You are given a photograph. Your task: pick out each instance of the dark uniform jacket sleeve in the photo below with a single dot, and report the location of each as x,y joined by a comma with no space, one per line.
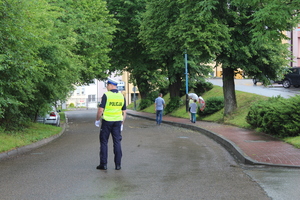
103,101
124,106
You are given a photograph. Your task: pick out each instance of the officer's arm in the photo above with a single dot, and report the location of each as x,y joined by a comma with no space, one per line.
99,113
101,107
124,115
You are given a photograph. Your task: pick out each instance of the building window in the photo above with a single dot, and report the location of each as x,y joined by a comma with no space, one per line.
92,98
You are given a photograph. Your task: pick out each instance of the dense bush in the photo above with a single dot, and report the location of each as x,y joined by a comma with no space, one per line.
199,88
202,87
259,110
174,103
71,105
276,116
213,104
145,103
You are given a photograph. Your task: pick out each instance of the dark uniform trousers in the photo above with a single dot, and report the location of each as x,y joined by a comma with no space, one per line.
113,127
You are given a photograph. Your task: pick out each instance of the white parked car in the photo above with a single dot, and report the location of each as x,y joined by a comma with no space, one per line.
52,118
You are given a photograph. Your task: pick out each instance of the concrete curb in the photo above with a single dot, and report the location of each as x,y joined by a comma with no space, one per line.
27,148
231,147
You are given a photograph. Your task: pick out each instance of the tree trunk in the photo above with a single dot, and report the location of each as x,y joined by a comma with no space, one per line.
174,88
143,89
229,91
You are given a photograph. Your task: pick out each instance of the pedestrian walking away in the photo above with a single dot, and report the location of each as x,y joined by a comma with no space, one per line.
192,97
112,111
193,111
159,108
190,102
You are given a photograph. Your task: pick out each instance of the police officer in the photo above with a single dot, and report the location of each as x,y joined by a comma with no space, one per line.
113,108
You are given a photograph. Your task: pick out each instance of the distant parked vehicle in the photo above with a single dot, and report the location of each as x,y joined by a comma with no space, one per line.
52,117
256,80
292,78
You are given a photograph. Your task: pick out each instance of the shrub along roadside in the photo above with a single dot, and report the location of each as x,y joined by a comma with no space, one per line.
213,104
278,116
173,104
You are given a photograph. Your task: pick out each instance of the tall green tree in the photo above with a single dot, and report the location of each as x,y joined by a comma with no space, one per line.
163,40
127,51
93,29
239,35
45,48
155,27
60,65
24,28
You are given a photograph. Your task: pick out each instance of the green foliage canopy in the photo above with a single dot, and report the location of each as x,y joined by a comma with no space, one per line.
92,29
24,27
45,48
128,53
238,34
161,33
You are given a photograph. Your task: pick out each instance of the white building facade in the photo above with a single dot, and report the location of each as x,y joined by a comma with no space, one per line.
89,96
295,46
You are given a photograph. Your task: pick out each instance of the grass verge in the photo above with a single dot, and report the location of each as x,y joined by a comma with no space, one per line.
238,118
35,132
295,141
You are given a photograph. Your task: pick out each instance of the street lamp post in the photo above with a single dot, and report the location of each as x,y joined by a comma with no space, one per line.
134,97
186,81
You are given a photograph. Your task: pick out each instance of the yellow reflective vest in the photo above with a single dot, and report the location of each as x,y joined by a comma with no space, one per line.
113,106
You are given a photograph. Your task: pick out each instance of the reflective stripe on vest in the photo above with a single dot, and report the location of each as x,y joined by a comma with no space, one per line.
113,106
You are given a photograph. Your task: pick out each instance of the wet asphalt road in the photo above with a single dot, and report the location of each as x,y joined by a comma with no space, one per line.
159,162
279,183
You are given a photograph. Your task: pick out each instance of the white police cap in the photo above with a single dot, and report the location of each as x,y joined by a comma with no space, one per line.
112,81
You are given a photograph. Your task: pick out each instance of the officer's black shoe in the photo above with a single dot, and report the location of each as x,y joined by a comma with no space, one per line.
118,167
102,167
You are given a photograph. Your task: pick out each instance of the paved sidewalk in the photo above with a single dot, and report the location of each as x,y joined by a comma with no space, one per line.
248,146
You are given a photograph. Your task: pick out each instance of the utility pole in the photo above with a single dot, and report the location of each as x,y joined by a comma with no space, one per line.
186,81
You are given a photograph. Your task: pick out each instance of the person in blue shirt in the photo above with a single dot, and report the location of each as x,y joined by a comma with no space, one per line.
159,108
